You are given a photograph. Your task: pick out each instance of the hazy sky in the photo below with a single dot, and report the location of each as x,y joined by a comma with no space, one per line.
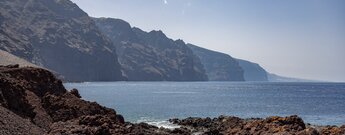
296,38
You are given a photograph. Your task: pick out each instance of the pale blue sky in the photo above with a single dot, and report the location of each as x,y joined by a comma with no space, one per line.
296,38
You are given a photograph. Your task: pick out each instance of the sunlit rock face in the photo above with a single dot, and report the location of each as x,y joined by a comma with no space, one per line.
58,35
151,56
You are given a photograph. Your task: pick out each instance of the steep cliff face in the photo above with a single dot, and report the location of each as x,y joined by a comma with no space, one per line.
219,66
253,71
151,56
56,34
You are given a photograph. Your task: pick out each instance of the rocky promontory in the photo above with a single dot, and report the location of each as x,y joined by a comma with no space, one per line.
34,102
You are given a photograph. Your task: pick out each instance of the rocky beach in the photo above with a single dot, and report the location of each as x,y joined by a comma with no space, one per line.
33,101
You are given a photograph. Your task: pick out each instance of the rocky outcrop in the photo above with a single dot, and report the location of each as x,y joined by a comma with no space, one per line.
333,130
35,98
59,36
218,66
226,125
151,56
253,71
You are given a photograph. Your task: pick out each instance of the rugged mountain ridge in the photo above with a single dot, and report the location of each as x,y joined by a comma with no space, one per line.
151,56
219,66
58,35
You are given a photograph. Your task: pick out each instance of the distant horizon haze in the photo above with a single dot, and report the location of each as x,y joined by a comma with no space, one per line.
298,38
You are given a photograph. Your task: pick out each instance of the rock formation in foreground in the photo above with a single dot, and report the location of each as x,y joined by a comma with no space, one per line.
34,102
58,35
226,125
151,56
218,66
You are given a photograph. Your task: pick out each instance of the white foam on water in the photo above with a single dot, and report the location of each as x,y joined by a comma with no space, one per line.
158,123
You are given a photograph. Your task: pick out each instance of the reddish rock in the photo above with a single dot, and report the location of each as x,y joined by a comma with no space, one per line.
12,124
333,130
40,101
223,125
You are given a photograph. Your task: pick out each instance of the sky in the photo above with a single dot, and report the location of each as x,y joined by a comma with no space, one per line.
294,38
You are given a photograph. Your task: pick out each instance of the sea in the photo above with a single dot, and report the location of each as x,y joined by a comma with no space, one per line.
157,102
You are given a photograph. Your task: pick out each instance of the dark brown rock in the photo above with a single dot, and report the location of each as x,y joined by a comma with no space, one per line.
36,95
12,124
225,125
333,130
120,118
274,125
75,92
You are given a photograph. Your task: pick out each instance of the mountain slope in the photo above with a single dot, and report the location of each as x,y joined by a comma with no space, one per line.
253,71
58,35
219,66
9,59
151,56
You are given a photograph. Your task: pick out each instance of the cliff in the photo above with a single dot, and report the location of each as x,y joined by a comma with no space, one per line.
218,66
151,56
58,35
253,71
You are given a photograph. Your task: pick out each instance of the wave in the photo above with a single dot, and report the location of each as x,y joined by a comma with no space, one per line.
158,123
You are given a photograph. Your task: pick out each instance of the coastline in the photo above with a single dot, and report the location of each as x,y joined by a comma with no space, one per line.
38,100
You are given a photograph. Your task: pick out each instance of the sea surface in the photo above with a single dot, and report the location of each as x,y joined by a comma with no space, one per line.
156,102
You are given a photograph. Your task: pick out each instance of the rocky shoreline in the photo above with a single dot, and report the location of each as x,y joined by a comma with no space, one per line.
34,102
229,125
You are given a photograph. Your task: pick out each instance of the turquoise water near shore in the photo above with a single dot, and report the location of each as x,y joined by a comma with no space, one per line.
156,102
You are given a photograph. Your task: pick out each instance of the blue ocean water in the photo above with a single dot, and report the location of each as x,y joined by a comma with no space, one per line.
316,103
